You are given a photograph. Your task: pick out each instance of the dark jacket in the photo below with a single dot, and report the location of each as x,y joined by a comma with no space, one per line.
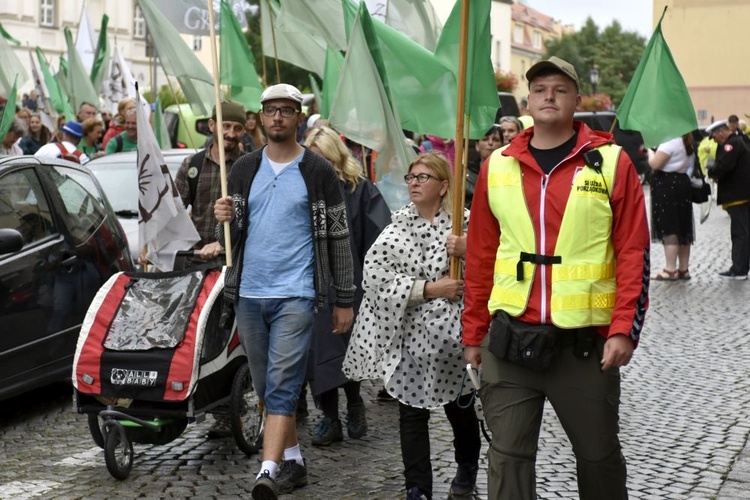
367,215
29,144
333,257
732,171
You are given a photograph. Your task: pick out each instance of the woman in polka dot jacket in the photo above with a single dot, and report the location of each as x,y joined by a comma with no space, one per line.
409,326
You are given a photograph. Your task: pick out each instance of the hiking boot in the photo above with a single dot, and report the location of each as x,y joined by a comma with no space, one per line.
731,275
415,493
221,428
291,475
465,481
265,487
356,421
328,431
385,396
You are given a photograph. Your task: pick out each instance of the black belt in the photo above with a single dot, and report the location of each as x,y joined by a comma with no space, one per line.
535,258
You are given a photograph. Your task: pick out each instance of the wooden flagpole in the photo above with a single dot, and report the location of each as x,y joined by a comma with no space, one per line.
219,126
458,161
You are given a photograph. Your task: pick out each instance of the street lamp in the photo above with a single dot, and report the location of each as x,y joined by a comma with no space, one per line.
594,77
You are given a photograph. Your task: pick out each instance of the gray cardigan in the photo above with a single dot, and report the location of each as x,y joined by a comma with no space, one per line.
329,225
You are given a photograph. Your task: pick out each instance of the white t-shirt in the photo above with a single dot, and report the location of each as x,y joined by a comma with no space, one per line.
50,150
679,161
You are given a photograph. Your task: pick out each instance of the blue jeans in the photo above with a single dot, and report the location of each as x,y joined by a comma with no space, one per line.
276,335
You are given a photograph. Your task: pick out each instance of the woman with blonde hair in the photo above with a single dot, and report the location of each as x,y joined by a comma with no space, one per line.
409,327
367,215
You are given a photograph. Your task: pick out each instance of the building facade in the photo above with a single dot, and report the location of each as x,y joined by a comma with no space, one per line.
707,41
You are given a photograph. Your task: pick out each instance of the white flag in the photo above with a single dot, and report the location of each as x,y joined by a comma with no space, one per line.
120,83
85,40
163,223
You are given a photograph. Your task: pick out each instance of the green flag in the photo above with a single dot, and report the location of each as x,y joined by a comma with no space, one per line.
9,112
481,101
11,68
371,120
101,56
7,36
334,63
57,97
657,102
178,60
324,18
81,89
237,64
289,42
160,127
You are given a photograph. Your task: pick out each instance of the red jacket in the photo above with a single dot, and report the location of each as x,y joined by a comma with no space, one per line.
630,237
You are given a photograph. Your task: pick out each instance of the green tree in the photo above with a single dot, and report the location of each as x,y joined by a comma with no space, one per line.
290,73
615,52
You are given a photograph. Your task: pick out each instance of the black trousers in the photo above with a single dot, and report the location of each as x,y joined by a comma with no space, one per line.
415,440
739,222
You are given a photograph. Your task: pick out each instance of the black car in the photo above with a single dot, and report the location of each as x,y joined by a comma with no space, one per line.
630,140
59,243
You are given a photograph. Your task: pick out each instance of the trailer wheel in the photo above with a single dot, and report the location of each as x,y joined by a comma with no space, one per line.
118,453
95,430
246,413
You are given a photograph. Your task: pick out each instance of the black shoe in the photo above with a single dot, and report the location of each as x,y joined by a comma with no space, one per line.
221,428
385,396
731,275
291,475
328,431
415,493
465,481
265,488
356,421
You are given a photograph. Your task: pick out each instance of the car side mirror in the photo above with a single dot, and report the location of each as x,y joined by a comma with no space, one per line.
10,241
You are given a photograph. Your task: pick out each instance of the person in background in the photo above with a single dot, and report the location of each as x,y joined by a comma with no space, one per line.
9,144
61,121
510,127
671,205
253,138
117,123
732,175
557,261
408,330
447,147
734,125
24,114
492,140
92,133
289,235
367,215
524,116
85,111
128,139
38,136
68,137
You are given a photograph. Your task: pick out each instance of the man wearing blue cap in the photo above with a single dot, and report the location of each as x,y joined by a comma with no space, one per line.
70,135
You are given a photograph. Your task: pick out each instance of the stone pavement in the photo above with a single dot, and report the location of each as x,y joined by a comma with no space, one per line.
684,421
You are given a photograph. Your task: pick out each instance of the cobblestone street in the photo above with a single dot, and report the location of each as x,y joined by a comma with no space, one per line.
685,420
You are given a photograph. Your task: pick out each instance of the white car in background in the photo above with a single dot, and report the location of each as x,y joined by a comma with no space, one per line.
118,175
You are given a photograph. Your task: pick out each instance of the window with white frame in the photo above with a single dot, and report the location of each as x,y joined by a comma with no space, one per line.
518,33
197,43
139,24
537,39
47,13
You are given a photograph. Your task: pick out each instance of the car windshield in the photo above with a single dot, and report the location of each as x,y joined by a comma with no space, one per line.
120,182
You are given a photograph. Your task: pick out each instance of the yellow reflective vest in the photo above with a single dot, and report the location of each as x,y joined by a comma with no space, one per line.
583,264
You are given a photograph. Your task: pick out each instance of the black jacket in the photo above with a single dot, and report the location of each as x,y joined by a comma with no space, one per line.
732,171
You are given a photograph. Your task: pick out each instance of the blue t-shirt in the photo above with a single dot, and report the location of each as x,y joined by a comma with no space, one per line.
279,255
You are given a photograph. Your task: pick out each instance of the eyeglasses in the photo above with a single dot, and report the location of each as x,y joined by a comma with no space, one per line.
286,111
421,178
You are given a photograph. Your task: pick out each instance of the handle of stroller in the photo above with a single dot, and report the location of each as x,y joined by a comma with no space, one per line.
193,253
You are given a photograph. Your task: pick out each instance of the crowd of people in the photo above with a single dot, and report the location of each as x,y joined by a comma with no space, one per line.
553,244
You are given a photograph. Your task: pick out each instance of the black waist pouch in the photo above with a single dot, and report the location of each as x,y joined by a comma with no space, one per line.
530,346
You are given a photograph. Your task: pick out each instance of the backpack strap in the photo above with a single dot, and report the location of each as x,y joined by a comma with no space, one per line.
118,140
196,162
63,149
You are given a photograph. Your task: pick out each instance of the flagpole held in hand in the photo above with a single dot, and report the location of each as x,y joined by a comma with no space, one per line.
458,161
219,126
